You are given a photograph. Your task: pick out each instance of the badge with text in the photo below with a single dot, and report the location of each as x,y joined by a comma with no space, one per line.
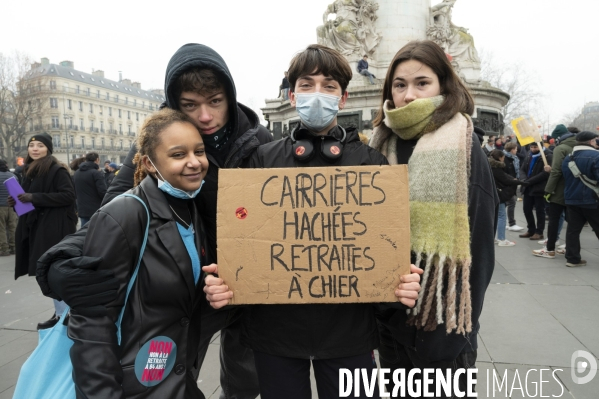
315,235
155,360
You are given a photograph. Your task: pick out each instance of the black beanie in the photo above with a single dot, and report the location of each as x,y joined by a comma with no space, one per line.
45,138
585,136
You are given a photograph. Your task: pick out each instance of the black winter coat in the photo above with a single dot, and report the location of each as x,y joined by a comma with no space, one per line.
312,331
53,218
538,178
164,300
506,185
91,188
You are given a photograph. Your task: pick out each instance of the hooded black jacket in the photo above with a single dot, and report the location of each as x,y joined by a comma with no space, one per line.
246,135
90,187
312,330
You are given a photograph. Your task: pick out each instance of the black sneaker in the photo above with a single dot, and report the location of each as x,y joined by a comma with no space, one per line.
48,323
581,263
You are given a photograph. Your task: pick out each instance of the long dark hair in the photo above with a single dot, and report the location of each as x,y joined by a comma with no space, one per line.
457,95
39,167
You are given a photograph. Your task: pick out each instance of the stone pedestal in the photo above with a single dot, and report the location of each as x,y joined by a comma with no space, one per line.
397,22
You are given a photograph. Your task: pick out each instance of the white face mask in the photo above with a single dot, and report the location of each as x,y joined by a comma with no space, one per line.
168,188
317,110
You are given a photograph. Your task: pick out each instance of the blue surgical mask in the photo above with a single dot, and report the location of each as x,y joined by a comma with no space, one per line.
165,186
317,110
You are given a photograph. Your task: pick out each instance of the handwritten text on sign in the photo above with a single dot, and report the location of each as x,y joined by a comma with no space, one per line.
313,235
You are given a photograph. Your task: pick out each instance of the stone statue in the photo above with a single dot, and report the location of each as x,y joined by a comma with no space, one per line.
455,40
352,32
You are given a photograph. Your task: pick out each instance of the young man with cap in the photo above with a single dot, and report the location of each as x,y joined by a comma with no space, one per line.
199,84
578,168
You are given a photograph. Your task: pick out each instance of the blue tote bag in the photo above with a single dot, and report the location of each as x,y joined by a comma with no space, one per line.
48,372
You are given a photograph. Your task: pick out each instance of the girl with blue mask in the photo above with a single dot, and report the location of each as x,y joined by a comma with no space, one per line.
164,306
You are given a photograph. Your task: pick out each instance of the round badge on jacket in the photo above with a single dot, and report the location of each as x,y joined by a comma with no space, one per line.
155,360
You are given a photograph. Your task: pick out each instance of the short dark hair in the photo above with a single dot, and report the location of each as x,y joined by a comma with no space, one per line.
317,59
92,157
198,80
365,55
573,129
457,96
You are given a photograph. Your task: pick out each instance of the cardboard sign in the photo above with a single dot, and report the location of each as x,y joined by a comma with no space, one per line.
313,235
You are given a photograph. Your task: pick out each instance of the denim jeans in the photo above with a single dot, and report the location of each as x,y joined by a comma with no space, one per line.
365,72
84,221
501,220
59,307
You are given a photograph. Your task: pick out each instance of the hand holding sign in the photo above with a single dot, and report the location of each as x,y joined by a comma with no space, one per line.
409,286
527,132
217,293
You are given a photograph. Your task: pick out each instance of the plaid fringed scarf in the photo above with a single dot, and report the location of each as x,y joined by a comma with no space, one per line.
439,172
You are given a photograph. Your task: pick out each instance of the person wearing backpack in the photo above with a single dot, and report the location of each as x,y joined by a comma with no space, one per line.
581,199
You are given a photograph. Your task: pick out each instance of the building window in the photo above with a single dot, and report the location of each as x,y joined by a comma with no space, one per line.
80,105
129,129
128,114
56,140
98,94
55,124
82,142
52,85
101,109
120,128
126,100
143,104
119,112
72,141
69,104
109,111
102,126
93,143
91,108
53,103
88,91
135,102
137,116
65,87
121,144
81,125
70,123
77,90
102,142
116,98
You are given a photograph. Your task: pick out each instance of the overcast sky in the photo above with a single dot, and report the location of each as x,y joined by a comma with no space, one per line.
556,40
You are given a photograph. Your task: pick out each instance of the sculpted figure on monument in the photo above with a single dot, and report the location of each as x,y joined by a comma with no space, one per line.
352,31
455,40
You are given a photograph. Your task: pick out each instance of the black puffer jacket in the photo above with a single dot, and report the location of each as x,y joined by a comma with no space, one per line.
312,331
164,301
506,184
538,178
90,186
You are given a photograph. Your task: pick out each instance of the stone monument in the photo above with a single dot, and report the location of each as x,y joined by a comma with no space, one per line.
379,28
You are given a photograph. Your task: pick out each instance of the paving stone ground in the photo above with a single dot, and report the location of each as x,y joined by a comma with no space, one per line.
537,313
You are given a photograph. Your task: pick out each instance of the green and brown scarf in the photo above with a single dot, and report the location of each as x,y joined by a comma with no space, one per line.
439,172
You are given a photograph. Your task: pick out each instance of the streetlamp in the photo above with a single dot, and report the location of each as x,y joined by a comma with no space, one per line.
66,131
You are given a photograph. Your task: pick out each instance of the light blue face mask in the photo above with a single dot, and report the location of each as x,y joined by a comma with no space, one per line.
172,191
317,110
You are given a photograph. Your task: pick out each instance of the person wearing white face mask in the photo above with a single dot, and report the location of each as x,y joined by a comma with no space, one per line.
288,339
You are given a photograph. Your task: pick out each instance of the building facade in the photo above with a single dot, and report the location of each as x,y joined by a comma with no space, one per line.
89,113
589,117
